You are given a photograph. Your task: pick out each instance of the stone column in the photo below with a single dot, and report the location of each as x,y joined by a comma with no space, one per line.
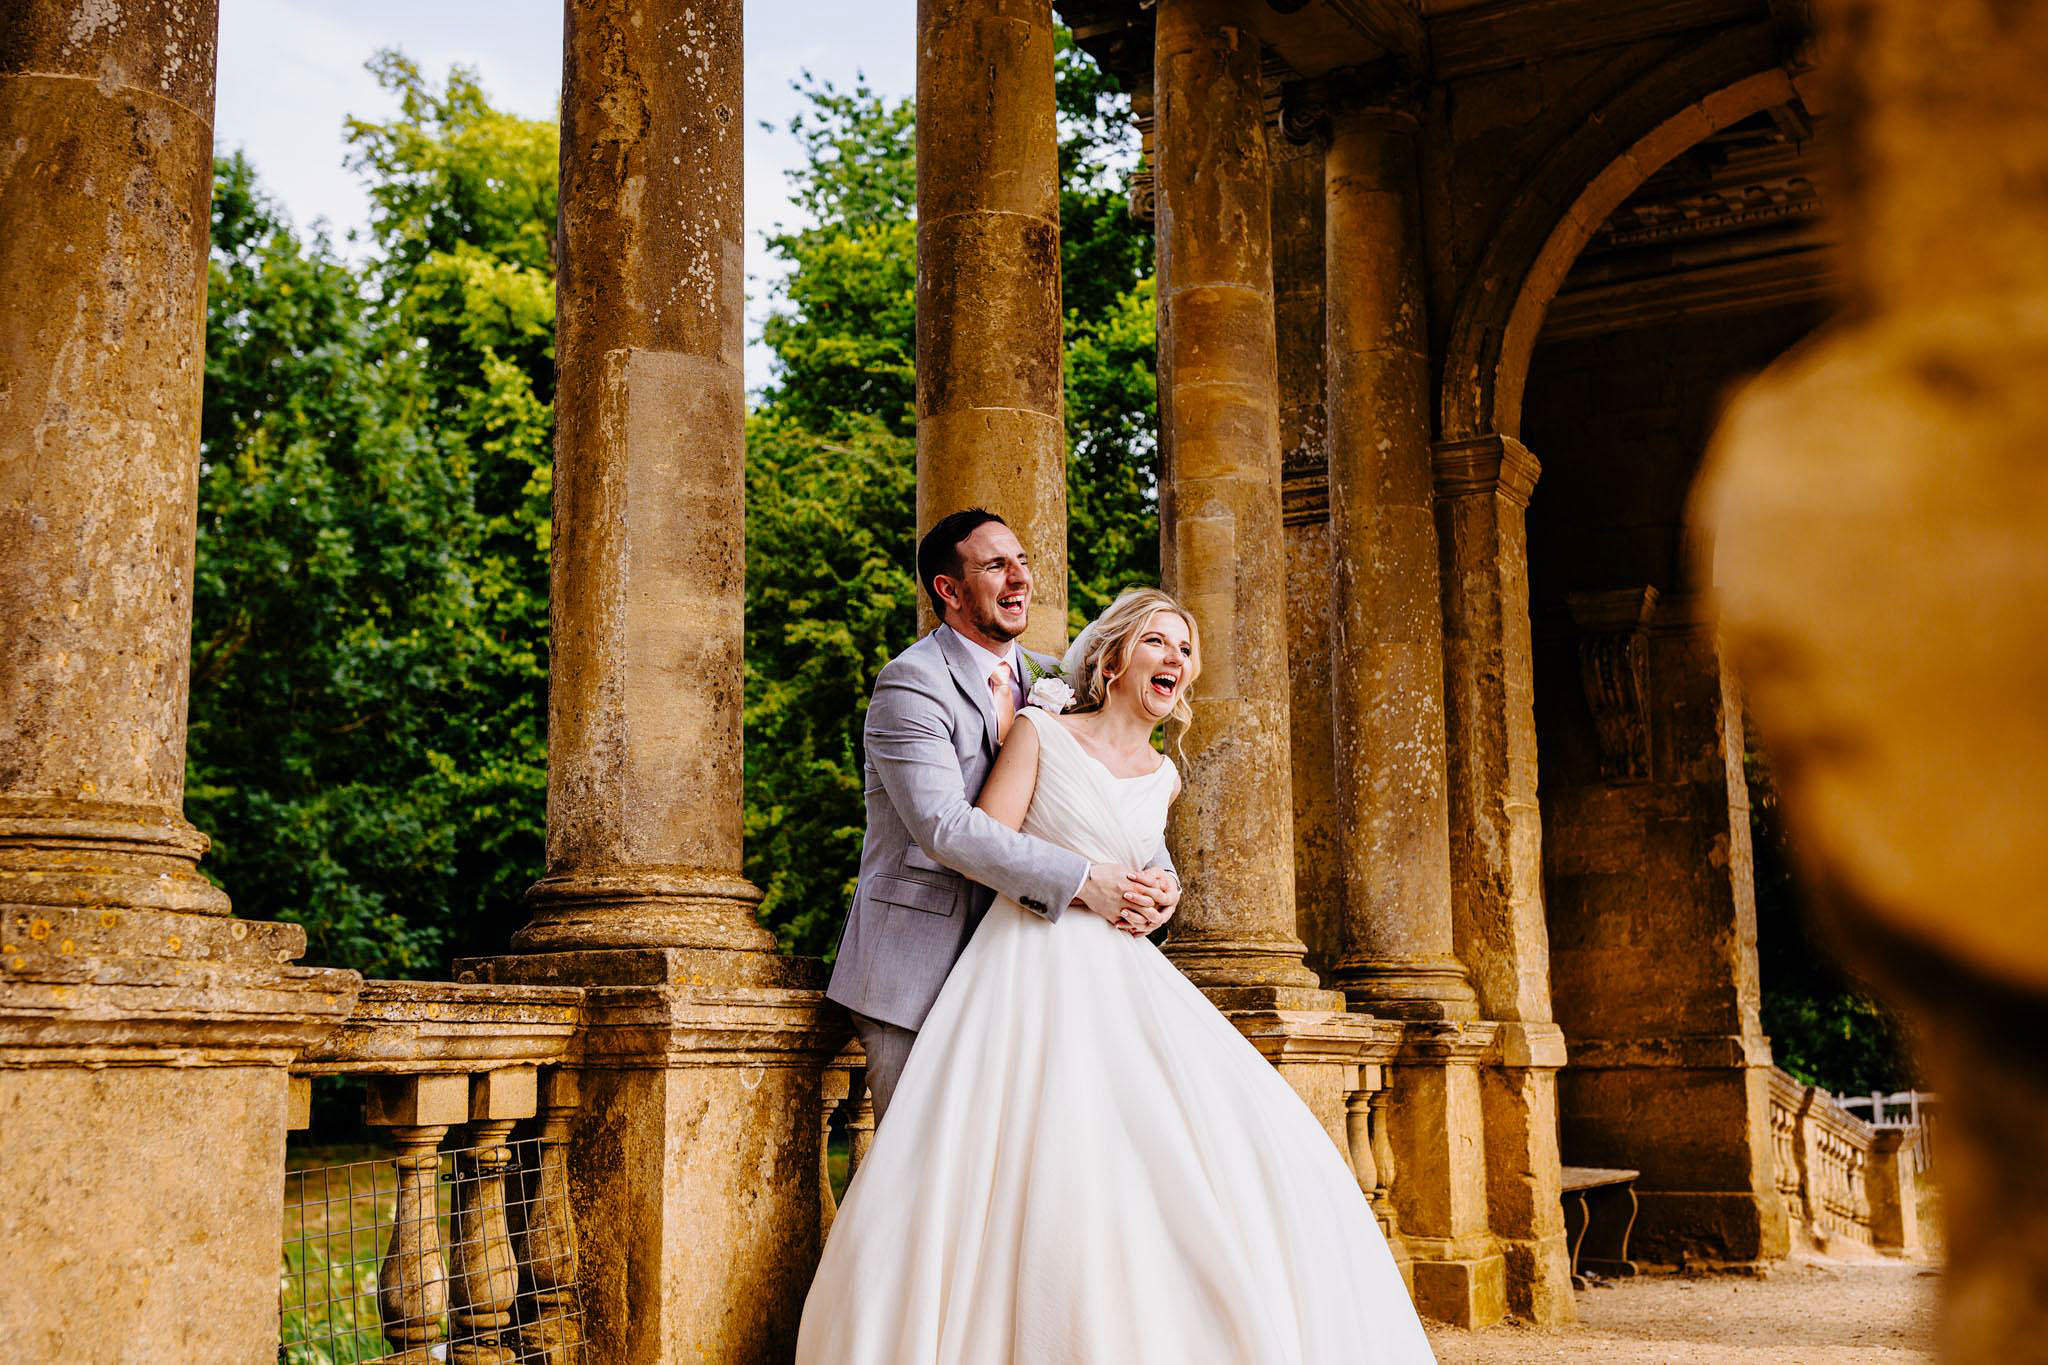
1482,491
990,403
695,1152
1387,683
648,576
1220,517
144,1033
1399,951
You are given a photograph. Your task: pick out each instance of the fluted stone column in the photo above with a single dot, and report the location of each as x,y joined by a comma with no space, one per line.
695,1152
1387,684
144,1032
1482,489
1399,955
1222,542
990,403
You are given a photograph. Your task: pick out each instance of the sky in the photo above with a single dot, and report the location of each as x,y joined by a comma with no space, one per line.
292,70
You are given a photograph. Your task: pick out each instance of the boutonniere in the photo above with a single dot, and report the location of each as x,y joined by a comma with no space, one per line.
1049,690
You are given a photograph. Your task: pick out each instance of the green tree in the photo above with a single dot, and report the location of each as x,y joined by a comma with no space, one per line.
370,616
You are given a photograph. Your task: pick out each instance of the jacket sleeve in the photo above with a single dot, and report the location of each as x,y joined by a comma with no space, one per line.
1164,859
910,742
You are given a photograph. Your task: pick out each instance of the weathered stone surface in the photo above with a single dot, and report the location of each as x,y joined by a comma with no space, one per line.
1387,674
694,1162
1220,509
648,565
142,1213
990,401
106,113
1437,1110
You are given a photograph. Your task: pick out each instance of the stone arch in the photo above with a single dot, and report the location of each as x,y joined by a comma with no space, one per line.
1670,108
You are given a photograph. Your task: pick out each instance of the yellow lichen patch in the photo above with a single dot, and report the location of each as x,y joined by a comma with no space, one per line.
39,929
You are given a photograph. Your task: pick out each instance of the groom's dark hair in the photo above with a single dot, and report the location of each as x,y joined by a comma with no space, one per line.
939,551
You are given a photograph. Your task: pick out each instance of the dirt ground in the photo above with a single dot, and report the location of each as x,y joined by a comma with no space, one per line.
1808,1311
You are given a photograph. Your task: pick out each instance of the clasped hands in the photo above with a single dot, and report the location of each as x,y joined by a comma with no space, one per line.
1134,900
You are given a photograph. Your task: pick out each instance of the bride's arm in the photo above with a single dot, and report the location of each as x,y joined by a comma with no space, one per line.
1006,795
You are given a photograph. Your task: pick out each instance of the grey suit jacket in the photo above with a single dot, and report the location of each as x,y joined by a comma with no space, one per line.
932,863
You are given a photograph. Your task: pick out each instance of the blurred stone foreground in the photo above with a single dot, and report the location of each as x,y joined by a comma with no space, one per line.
1380,225
1879,515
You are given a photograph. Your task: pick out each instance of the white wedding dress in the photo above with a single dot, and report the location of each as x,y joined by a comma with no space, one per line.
1085,1162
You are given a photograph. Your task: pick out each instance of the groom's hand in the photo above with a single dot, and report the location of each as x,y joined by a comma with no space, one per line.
1146,912
1165,893
1116,893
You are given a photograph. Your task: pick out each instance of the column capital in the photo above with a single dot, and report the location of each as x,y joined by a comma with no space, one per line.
1375,94
1485,465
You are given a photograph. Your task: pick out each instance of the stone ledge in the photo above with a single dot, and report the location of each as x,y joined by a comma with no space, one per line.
1704,1051
400,1027
173,1015
1441,1041
1314,1036
1530,1046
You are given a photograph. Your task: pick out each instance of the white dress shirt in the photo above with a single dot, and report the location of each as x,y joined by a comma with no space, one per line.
988,661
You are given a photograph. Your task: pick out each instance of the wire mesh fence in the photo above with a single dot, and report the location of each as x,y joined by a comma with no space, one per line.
463,1255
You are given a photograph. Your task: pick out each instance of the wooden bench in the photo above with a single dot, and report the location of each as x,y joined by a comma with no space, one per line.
1586,1187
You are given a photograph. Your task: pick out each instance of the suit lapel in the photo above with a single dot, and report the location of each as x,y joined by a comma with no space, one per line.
973,686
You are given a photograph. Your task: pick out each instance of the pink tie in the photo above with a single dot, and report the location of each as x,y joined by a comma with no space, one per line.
1005,700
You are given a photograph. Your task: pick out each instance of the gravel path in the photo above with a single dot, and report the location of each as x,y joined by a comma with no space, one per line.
1807,1311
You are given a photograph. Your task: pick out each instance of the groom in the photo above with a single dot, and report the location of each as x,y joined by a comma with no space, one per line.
932,863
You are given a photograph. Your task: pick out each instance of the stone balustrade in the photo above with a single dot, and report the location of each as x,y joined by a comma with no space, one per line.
1841,1177
499,1284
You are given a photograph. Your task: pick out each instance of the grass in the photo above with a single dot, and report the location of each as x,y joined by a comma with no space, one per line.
334,1235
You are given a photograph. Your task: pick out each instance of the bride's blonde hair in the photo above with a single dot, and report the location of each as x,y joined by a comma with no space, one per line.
1102,651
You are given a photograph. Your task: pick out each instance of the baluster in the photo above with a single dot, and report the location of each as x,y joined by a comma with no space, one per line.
833,1086
1383,1164
483,1278
860,1131
1358,1128
412,1287
551,1331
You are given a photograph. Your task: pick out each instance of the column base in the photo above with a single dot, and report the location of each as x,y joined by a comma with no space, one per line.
1518,1090
1709,1230
1408,987
1440,1176
1692,1113
686,908
1251,973
143,1092
695,1154
76,855
1462,1291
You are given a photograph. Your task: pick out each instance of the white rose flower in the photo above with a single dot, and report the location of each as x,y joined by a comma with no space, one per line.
1050,694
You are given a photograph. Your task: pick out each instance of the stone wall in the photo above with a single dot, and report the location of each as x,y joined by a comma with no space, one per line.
1645,807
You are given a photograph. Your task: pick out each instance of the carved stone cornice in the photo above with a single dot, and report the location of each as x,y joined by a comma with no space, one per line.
1614,669
1444,1042
1484,466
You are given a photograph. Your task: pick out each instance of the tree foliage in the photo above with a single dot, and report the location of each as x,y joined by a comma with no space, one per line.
370,613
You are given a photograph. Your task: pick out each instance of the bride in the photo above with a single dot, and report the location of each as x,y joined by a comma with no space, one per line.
1084,1161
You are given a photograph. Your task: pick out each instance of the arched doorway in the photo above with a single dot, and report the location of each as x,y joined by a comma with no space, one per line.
1702,274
